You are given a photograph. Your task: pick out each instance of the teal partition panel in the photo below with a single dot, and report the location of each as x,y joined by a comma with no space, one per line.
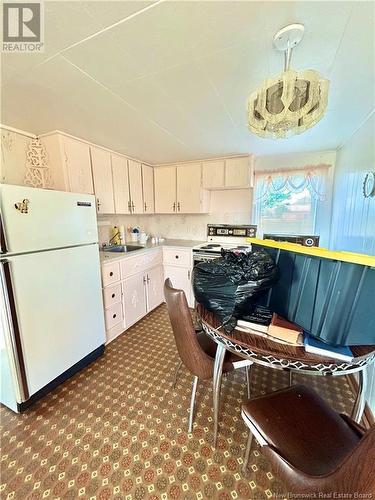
330,299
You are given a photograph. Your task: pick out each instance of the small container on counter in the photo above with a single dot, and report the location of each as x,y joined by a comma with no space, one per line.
122,235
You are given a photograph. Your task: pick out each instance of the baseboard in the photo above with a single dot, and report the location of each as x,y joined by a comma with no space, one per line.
368,416
61,378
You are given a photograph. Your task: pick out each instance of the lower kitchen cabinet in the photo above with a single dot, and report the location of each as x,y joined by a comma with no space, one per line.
178,263
155,287
181,279
134,299
134,286
142,293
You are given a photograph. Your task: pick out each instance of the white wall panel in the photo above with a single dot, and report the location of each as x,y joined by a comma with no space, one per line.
353,221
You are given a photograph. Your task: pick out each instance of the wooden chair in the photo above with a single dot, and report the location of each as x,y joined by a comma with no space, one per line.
196,349
311,447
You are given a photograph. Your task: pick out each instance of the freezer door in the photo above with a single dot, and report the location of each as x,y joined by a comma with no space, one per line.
13,384
38,219
59,310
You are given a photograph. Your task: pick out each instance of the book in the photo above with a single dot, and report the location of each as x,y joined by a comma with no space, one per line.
252,326
316,346
258,319
264,335
285,330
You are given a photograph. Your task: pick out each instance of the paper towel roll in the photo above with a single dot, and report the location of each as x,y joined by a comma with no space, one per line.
122,234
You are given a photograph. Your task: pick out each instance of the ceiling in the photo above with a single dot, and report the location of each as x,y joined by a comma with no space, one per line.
166,81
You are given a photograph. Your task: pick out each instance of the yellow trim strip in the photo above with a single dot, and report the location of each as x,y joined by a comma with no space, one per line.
353,258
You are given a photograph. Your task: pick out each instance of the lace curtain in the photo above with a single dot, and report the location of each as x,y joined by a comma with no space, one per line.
292,181
287,201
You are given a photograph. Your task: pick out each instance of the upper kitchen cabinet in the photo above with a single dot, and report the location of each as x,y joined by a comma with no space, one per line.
237,172
121,185
213,174
120,177
102,175
165,190
78,166
190,195
178,189
70,163
228,173
135,187
148,189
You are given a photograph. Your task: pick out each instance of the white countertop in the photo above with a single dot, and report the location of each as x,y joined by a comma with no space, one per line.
113,256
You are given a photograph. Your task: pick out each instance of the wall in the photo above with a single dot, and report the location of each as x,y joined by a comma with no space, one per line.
226,207
353,221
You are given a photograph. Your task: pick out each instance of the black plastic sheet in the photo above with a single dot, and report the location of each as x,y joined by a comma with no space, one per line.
231,285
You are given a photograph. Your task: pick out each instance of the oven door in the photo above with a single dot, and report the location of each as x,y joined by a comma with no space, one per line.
204,257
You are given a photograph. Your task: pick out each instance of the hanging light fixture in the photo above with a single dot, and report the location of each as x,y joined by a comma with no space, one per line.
291,102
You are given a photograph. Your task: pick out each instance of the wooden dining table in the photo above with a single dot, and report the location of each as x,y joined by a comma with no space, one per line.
272,354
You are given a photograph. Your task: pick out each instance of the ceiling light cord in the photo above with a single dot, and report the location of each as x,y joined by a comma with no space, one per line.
287,56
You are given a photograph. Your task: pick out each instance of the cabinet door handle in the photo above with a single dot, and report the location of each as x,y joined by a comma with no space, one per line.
144,280
176,256
178,206
98,204
129,207
113,295
148,279
111,273
133,207
114,316
145,207
189,273
174,206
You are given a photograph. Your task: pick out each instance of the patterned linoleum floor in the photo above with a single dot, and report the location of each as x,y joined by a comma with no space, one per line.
119,430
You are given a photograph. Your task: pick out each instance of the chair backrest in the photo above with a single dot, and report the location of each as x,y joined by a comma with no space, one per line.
189,349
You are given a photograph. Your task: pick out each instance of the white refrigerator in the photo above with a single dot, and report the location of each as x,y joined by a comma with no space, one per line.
52,322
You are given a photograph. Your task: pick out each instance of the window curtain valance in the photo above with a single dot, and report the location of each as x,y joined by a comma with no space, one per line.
288,181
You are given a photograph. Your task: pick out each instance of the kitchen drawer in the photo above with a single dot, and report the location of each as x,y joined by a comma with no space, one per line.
140,263
112,295
110,273
177,257
113,315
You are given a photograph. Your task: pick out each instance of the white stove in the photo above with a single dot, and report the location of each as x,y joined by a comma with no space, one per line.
224,236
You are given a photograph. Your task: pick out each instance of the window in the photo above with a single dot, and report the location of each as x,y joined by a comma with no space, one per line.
287,202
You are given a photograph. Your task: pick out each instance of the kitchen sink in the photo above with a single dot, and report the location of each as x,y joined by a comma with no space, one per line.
121,248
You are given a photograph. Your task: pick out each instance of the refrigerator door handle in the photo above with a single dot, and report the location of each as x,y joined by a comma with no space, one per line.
13,328
3,243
